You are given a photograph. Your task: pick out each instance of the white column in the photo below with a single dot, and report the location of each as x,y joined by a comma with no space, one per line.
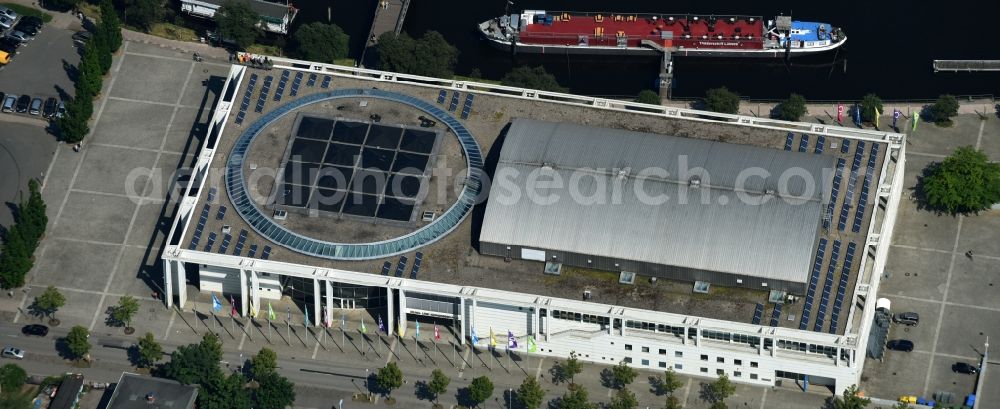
836,358
243,293
168,283
402,307
534,322
181,283
760,347
623,326
390,319
684,336
697,337
329,301
316,304
255,292
463,316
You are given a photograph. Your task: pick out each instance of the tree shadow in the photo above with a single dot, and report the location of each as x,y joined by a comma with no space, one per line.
706,393
558,373
72,71
464,397
110,320
656,385
62,348
423,391
608,379
133,355
555,403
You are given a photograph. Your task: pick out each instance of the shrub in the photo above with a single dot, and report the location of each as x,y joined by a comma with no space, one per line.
722,100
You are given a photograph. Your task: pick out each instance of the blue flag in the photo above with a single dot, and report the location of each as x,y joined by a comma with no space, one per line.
417,334
475,339
857,114
381,327
895,116
511,340
306,321
216,304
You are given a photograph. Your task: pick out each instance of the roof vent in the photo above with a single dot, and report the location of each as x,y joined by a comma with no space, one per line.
623,173
769,192
694,182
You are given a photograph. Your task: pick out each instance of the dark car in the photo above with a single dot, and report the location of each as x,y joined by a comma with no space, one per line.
900,345
7,41
910,319
965,368
11,50
23,103
36,330
28,29
32,20
50,108
81,37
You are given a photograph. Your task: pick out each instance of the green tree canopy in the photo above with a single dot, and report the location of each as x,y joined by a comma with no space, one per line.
721,389
670,382
868,105
89,73
141,13
622,375
238,23
389,378
429,56
273,392
576,398
126,309
480,390
49,301
73,126
320,42
966,181
111,26
648,97
196,363
571,367
11,378
673,403
62,5
438,384
149,351
792,108
266,361
533,78
223,392
851,400
77,342
722,100
624,399
530,393
22,238
943,109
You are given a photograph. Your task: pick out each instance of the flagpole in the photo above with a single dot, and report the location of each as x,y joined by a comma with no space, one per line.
269,332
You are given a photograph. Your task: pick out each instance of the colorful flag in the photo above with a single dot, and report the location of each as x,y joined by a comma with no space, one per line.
288,314
253,311
216,304
475,339
493,339
437,334
401,328
857,114
232,301
511,341
326,319
895,116
306,321
364,329
381,326
270,312
840,112
877,114
417,334
916,118
343,321
532,346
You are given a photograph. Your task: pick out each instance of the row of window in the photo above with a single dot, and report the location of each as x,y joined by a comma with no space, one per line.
704,357
575,316
680,367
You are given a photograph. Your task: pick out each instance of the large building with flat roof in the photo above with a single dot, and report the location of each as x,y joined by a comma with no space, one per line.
439,254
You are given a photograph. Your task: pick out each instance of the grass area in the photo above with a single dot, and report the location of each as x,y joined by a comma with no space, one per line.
482,80
23,10
92,11
173,32
347,62
264,49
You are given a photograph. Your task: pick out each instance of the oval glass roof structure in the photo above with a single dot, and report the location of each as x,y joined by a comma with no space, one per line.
441,226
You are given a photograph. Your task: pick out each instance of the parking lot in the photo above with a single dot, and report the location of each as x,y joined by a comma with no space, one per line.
929,272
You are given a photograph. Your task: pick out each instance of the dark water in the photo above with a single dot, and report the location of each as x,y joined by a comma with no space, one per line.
889,51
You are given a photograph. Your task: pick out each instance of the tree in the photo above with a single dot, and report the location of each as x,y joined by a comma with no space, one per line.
438,384
430,56
126,309
223,392
480,390
622,374
792,108
103,50
320,42
851,400
530,393
722,100
576,398
89,78
868,105
111,27
719,405
73,125
624,399
49,301
22,238
389,378
142,13
273,392
648,97
902,405
77,342
196,363
670,382
571,367
11,378
966,181
533,78
943,109
673,403
149,351
62,5
721,389
238,23
266,361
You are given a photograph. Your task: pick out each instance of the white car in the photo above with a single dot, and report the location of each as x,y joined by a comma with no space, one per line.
20,36
6,22
11,352
8,12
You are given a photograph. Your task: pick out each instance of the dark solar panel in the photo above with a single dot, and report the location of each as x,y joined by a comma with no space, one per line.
326,82
775,315
813,279
252,251
837,178
314,128
442,95
312,80
804,143
350,132
221,214
400,266
225,243
211,242
820,141
845,146
454,102
240,242
266,254
789,140
387,265
757,313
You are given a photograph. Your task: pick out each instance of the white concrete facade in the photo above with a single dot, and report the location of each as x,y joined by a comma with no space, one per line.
599,333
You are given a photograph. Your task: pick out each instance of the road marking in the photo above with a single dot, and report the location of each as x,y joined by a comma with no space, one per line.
161,57
948,303
100,243
538,372
17,314
132,148
315,350
763,398
243,338
52,163
928,249
145,101
392,347
173,315
119,195
979,139
929,155
944,300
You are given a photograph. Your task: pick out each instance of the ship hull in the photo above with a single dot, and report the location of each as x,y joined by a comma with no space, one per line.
518,47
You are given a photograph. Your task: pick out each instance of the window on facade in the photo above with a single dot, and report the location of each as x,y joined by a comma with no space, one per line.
753,364
645,362
717,335
627,360
692,333
663,364
704,370
678,354
738,362
704,357
628,347
719,372
663,352
753,376
720,360
737,374
678,366
645,349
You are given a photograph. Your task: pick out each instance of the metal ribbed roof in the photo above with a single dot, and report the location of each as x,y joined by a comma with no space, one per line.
719,227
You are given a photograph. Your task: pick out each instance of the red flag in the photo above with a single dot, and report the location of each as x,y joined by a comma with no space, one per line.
437,334
232,301
840,112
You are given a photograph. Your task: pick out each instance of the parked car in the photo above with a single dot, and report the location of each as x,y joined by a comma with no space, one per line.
9,103
36,106
20,36
910,319
22,104
2,97
33,20
49,110
80,37
6,22
10,50
35,329
903,345
26,28
7,12
11,352
61,110
962,367
14,44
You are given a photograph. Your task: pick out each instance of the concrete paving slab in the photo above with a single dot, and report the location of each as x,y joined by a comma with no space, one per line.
114,170
134,124
942,141
79,308
153,49
150,226
150,318
923,229
990,398
89,216
975,282
916,273
979,234
205,86
164,174
58,181
187,122
150,78
990,142
944,380
896,376
964,330
923,334
139,273
74,264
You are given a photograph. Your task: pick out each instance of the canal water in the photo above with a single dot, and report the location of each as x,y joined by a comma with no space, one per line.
890,48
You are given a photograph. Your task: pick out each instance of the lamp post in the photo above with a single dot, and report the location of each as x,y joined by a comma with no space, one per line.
510,397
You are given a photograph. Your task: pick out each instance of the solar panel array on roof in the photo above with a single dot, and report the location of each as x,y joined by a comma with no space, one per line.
281,85
295,84
804,143
442,95
252,251
824,300
225,243
820,141
401,266
326,82
757,313
467,108
386,267
454,102
251,84
813,280
266,254
789,140
845,276
838,176
775,315
312,80
859,214
849,197
211,242
263,94
240,242
417,259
